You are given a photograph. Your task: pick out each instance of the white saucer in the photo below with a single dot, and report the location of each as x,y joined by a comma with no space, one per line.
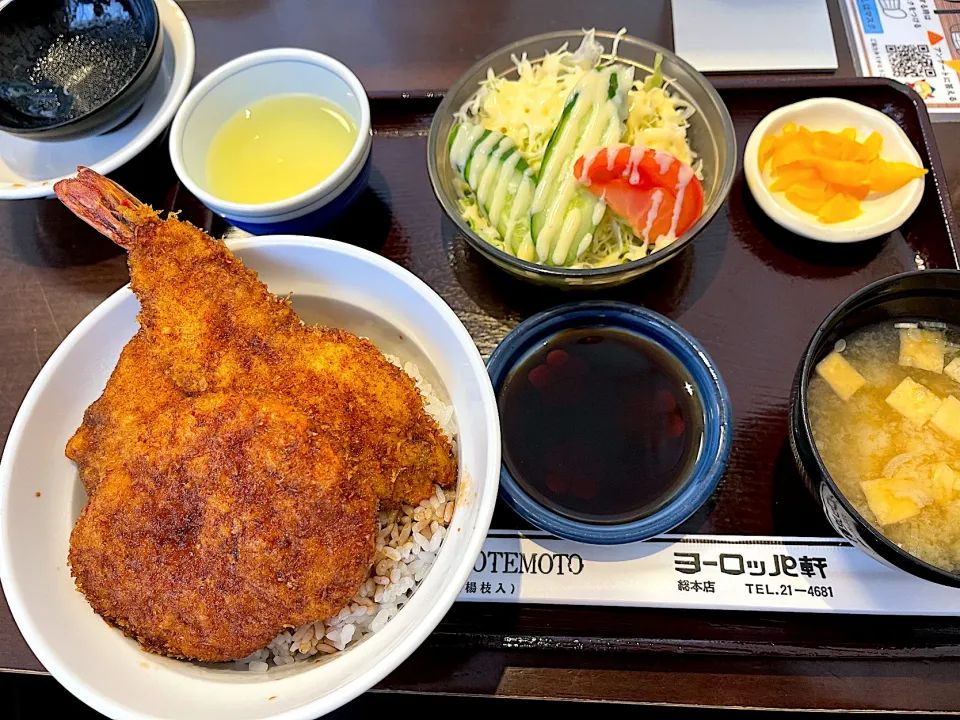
29,168
882,213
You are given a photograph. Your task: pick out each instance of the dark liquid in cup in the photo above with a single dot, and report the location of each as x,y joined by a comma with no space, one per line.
600,425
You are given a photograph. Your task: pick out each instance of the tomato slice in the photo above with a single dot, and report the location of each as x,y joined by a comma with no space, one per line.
643,186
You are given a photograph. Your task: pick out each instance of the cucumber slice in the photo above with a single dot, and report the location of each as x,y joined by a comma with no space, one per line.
564,215
501,180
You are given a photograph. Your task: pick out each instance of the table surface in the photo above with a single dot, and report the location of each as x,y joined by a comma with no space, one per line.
55,271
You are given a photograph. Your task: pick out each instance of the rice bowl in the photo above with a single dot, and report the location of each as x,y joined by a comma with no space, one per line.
332,283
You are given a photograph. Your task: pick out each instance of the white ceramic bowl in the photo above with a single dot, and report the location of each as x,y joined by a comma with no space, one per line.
882,213
332,283
250,78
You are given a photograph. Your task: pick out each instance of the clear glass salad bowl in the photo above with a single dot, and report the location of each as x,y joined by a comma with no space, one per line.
710,134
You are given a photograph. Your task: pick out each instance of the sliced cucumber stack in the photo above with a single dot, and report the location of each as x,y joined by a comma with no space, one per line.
501,180
564,215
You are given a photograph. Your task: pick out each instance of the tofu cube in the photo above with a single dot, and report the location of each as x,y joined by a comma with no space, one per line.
915,402
840,375
892,500
943,486
922,349
952,370
947,418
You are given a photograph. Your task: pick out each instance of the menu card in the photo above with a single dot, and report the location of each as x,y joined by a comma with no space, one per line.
916,42
715,572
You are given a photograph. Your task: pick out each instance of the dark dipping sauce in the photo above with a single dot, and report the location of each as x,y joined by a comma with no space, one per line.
600,425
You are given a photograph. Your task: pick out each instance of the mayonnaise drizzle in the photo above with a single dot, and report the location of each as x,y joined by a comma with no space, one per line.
467,135
684,176
664,160
588,161
520,201
568,232
598,211
502,188
481,156
488,176
656,198
632,171
584,244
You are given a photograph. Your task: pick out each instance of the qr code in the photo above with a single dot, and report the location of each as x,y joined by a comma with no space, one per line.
911,61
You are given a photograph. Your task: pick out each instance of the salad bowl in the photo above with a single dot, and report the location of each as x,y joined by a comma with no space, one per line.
709,134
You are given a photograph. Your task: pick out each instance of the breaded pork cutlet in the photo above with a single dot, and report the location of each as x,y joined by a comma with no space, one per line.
237,520
213,326
236,459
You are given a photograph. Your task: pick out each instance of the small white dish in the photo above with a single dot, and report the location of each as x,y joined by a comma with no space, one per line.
41,496
245,80
29,168
882,213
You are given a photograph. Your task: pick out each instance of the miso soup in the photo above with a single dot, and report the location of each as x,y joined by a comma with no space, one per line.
885,413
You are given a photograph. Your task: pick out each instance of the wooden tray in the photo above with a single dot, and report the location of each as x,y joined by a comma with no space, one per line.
750,291
753,294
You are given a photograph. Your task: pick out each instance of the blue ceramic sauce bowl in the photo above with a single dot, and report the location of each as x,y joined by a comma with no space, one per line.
250,78
710,463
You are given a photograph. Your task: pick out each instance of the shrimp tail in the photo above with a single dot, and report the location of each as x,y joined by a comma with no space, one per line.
105,206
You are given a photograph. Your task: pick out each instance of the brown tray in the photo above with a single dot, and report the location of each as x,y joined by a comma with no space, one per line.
753,294
750,291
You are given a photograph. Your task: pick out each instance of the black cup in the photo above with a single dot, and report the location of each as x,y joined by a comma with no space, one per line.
919,295
40,42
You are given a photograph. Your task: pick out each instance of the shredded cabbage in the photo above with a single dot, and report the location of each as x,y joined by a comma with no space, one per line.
527,109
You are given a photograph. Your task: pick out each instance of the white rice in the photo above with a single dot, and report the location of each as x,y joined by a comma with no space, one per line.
407,544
